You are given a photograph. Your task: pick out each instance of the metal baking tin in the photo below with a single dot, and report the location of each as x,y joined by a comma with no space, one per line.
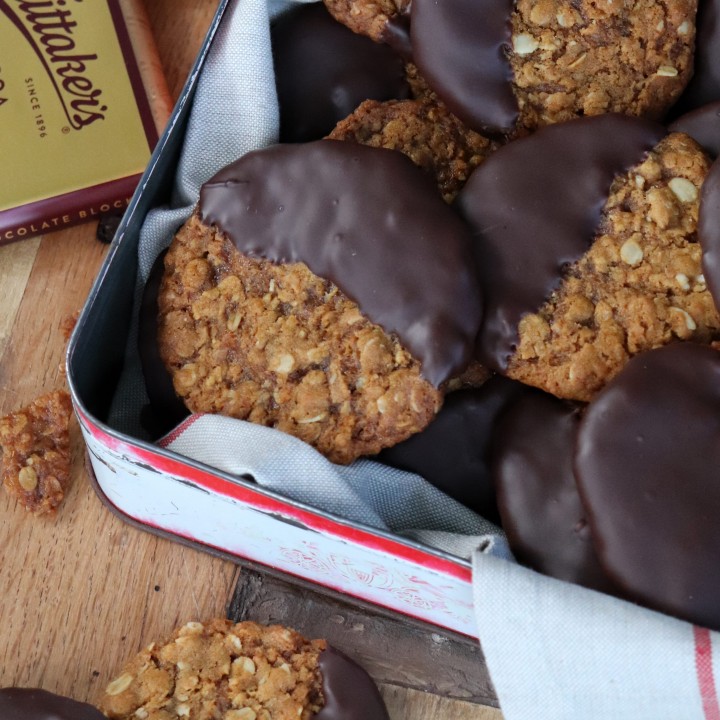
165,493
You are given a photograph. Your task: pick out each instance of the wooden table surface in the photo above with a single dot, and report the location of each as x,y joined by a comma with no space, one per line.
84,591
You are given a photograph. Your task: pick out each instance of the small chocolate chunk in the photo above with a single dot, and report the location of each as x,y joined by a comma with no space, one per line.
539,505
108,225
373,224
452,452
35,704
323,71
535,205
646,467
703,126
460,48
349,692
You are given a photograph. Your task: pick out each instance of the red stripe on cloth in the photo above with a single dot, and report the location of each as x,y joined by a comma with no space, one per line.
705,676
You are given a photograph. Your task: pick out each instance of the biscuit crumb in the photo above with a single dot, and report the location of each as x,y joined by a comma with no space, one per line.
35,444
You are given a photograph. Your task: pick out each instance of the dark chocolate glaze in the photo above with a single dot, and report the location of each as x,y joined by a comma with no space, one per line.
35,704
709,230
539,504
704,86
166,410
535,206
452,452
703,126
323,71
396,34
371,222
647,469
460,48
350,693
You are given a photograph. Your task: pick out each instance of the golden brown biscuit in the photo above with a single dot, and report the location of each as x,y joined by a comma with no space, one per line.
573,59
638,287
280,346
428,133
220,670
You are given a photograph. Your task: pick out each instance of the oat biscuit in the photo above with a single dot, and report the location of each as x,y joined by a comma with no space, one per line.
573,59
554,60
332,315
577,289
646,467
640,285
541,510
279,346
244,671
431,136
36,452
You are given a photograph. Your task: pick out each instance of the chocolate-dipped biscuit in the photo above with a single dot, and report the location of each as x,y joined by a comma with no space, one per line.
460,48
253,671
587,251
646,467
703,126
323,71
499,64
348,691
36,704
432,137
540,509
336,315
452,451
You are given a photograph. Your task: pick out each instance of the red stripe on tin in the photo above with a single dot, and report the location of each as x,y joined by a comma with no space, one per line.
240,493
705,674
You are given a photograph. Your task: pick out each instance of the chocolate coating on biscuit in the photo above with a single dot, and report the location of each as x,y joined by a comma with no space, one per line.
703,126
539,504
709,230
647,470
396,34
35,704
704,86
166,410
535,206
323,71
350,693
460,48
371,222
452,451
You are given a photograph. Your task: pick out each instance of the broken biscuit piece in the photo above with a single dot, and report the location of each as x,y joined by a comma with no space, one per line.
36,452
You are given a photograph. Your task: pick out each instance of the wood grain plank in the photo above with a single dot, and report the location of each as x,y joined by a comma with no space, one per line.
16,261
174,23
64,267
409,704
